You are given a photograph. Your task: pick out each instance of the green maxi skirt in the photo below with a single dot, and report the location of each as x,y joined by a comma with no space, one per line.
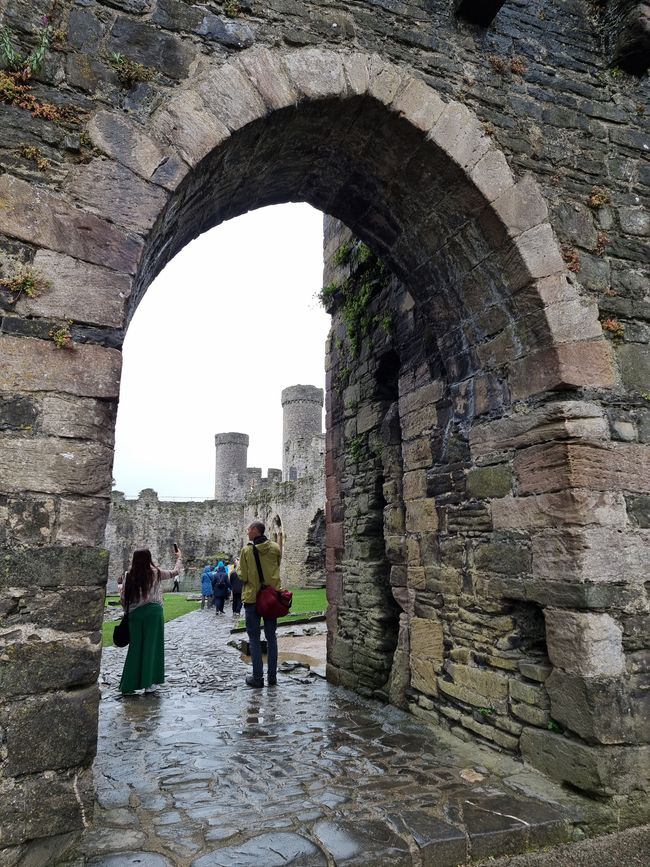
145,660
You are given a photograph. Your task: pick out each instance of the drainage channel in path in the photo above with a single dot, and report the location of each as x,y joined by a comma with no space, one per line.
209,773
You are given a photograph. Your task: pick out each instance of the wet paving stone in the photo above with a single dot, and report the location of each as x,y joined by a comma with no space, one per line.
208,772
271,850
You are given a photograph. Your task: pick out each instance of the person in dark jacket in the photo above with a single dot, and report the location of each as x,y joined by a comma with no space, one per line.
220,587
236,586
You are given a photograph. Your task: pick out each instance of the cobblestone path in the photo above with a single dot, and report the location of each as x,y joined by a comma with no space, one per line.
210,773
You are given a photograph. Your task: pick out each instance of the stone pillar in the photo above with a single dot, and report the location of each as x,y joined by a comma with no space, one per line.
231,458
302,411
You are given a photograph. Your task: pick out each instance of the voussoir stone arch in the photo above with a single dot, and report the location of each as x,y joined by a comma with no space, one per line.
417,177
218,101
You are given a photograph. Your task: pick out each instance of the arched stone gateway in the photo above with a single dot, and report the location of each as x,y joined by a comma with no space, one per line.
486,519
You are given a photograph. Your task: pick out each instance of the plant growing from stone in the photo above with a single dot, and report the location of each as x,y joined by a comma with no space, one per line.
25,65
614,328
30,152
27,282
599,198
129,72
62,337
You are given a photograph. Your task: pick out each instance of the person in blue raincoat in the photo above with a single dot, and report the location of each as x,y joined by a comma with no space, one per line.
206,587
220,586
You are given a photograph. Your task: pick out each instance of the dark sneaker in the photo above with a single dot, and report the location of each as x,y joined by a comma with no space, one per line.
272,681
256,684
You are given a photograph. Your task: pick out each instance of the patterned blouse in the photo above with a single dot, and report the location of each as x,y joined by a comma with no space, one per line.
155,591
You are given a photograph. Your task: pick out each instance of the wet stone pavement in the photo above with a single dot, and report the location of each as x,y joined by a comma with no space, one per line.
210,773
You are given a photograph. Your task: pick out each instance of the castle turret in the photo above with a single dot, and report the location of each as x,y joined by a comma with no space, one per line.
302,420
231,458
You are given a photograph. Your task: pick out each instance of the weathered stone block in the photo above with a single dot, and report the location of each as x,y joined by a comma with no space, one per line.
596,769
598,466
421,421
426,655
30,520
82,522
418,104
489,482
471,697
78,291
586,363
591,554
37,365
559,420
634,362
17,413
584,643
79,418
53,567
113,191
421,516
417,397
47,220
417,454
504,557
58,802
528,693
530,714
78,609
227,93
226,31
570,507
483,681
600,709
185,122
161,51
30,668
533,670
70,720
266,72
460,135
315,73
55,466
414,485
522,206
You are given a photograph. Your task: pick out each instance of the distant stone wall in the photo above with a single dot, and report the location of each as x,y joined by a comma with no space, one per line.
202,530
208,528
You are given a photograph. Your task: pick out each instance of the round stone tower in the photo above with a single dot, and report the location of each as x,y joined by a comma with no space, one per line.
231,458
302,420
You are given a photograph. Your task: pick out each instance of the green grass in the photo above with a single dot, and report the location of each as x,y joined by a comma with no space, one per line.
174,605
304,602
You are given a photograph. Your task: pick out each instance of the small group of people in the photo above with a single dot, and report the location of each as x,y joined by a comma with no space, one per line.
141,596
217,584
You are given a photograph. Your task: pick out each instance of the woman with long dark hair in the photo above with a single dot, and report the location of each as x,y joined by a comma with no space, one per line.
142,591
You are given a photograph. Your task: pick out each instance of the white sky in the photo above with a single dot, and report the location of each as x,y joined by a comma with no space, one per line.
228,324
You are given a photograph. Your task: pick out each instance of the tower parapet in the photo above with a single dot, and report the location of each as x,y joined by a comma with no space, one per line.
230,475
302,420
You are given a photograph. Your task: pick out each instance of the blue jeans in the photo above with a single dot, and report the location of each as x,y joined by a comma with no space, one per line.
253,627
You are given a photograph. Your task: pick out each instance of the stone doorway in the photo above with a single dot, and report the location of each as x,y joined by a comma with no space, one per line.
460,389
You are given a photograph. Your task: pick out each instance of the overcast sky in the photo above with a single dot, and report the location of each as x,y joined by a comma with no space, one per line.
228,324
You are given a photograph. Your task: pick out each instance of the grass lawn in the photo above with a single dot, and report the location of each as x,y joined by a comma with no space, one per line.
304,602
175,605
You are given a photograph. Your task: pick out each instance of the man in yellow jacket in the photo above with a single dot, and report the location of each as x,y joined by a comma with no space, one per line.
269,556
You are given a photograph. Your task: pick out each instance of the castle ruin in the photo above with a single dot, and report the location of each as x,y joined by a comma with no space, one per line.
484,170
291,502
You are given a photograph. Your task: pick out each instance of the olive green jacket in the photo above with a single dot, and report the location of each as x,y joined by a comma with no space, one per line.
270,556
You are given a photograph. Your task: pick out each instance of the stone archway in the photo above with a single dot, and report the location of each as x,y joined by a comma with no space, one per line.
418,179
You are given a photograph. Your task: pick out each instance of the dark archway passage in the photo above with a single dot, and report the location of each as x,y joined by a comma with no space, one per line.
495,352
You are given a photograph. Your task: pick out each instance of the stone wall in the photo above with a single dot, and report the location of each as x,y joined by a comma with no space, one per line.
202,530
500,174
